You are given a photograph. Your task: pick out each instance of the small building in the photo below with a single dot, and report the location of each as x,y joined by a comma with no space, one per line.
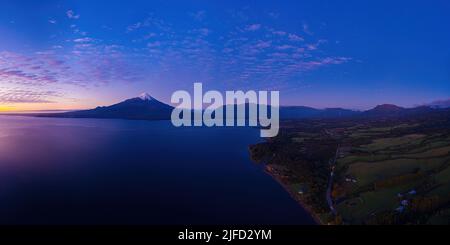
412,192
302,189
350,179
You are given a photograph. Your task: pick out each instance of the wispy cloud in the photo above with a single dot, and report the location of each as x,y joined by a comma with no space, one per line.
279,33
150,21
134,26
445,103
274,15
199,15
295,38
71,14
23,95
246,51
306,29
285,47
263,44
83,40
154,44
253,27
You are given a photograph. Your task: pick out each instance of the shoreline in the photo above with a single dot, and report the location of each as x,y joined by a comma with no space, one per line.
294,196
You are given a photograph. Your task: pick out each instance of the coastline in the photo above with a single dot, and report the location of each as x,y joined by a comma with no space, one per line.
294,196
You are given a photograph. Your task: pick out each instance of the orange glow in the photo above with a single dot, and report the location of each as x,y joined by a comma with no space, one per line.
5,108
27,107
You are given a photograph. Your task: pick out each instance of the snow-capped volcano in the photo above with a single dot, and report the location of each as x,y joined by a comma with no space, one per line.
145,96
144,107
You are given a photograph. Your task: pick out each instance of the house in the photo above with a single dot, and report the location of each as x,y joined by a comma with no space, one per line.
302,190
412,192
350,179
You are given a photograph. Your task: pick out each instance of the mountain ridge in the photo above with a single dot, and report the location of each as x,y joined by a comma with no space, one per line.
146,107
143,107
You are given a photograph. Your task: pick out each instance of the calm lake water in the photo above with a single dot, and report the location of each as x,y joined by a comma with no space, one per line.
93,171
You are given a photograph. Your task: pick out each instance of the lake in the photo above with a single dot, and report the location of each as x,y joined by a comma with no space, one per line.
94,171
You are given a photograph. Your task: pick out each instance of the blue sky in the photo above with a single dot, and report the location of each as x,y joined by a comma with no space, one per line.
353,54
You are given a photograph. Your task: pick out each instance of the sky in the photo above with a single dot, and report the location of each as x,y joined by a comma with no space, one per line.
352,54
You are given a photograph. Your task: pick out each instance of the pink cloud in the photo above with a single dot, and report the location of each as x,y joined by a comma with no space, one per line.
154,44
296,38
71,14
253,27
279,33
199,15
306,29
285,47
83,40
263,44
23,95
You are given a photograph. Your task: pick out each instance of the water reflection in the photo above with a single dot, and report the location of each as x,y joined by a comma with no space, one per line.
89,171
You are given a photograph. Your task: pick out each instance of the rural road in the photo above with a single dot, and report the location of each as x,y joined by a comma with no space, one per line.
330,182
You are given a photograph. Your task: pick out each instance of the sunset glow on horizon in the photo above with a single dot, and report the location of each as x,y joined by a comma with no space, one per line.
82,54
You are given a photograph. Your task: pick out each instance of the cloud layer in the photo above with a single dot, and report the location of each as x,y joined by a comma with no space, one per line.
244,52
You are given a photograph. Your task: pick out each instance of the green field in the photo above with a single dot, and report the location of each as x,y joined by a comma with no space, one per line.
387,167
385,170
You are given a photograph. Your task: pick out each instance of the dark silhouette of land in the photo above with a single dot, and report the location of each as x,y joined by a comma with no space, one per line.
388,165
146,107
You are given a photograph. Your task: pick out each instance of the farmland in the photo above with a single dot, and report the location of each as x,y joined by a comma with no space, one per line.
385,171
391,174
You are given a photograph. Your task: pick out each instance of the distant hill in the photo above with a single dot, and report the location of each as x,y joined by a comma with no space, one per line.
298,112
385,110
389,110
303,112
440,104
143,107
